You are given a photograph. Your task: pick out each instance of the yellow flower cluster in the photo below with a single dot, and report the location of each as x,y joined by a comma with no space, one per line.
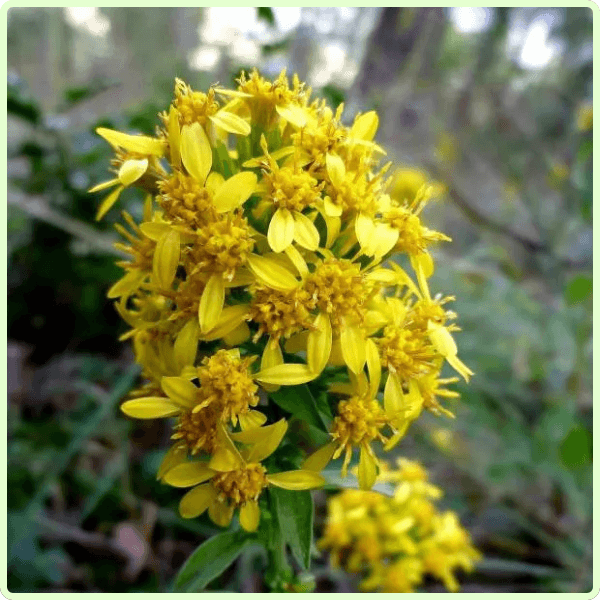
267,224
394,542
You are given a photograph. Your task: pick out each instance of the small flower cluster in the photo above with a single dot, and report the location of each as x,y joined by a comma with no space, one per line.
395,542
264,238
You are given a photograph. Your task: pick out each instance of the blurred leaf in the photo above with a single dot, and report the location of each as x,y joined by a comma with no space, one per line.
210,559
266,14
295,513
578,289
299,401
575,449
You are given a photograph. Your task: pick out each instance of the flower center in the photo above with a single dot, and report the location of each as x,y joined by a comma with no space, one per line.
406,352
223,245
339,290
241,485
359,421
281,314
193,107
184,199
198,430
292,190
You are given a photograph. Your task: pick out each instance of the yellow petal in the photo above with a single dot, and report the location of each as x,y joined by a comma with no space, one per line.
196,501
334,225
336,358
180,391
230,123
305,232
155,231
231,317
271,357
286,374
166,258
196,152
297,260
318,460
250,516
174,456
252,419
174,137
318,347
296,480
367,470
271,273
103,186
238,335
268,441
422,265
460,367
331,209
292,113
186,344
393,398
150,408
226,457
135,143
335,169
220,513
281,230
442,339
365,126
365,233
386,238
374,367
296,343
352,340
211,303
188,474
235,191
214,181
131,170
127,284
108,202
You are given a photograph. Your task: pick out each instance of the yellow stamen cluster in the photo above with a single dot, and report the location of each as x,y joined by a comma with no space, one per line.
395,541
269,226
241,485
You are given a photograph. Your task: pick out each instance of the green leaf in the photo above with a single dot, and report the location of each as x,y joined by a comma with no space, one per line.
265,13
575,448
295,513
299,401
578,289
210,559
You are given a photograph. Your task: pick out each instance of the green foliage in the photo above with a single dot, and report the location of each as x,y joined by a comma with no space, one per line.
295,513
210,559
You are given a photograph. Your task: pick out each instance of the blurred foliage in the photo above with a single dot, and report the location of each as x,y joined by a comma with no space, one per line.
516,463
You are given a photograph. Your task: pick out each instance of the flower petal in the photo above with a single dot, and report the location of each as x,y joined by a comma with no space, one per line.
365,233
174,132
196,501
318,460
174,456
127,284
230,318
150,408
318,347
180,391
185,347
250,516
393,398
166,258
305,232
297,260
220,513
281,230
235,191
188,474
271,357
367,469
292,113
272,273
135,143
108,202
365,126
336,169
211,303
374,367
353,348
268,442
131,170
286,374
196,152
252,419
103,186
296,480
230,123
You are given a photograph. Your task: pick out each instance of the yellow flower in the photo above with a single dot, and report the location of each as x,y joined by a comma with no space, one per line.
236,479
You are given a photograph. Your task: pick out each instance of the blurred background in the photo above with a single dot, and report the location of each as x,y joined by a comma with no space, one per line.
494,103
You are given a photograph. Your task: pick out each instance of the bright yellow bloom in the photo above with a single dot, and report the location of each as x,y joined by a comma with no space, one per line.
236,480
